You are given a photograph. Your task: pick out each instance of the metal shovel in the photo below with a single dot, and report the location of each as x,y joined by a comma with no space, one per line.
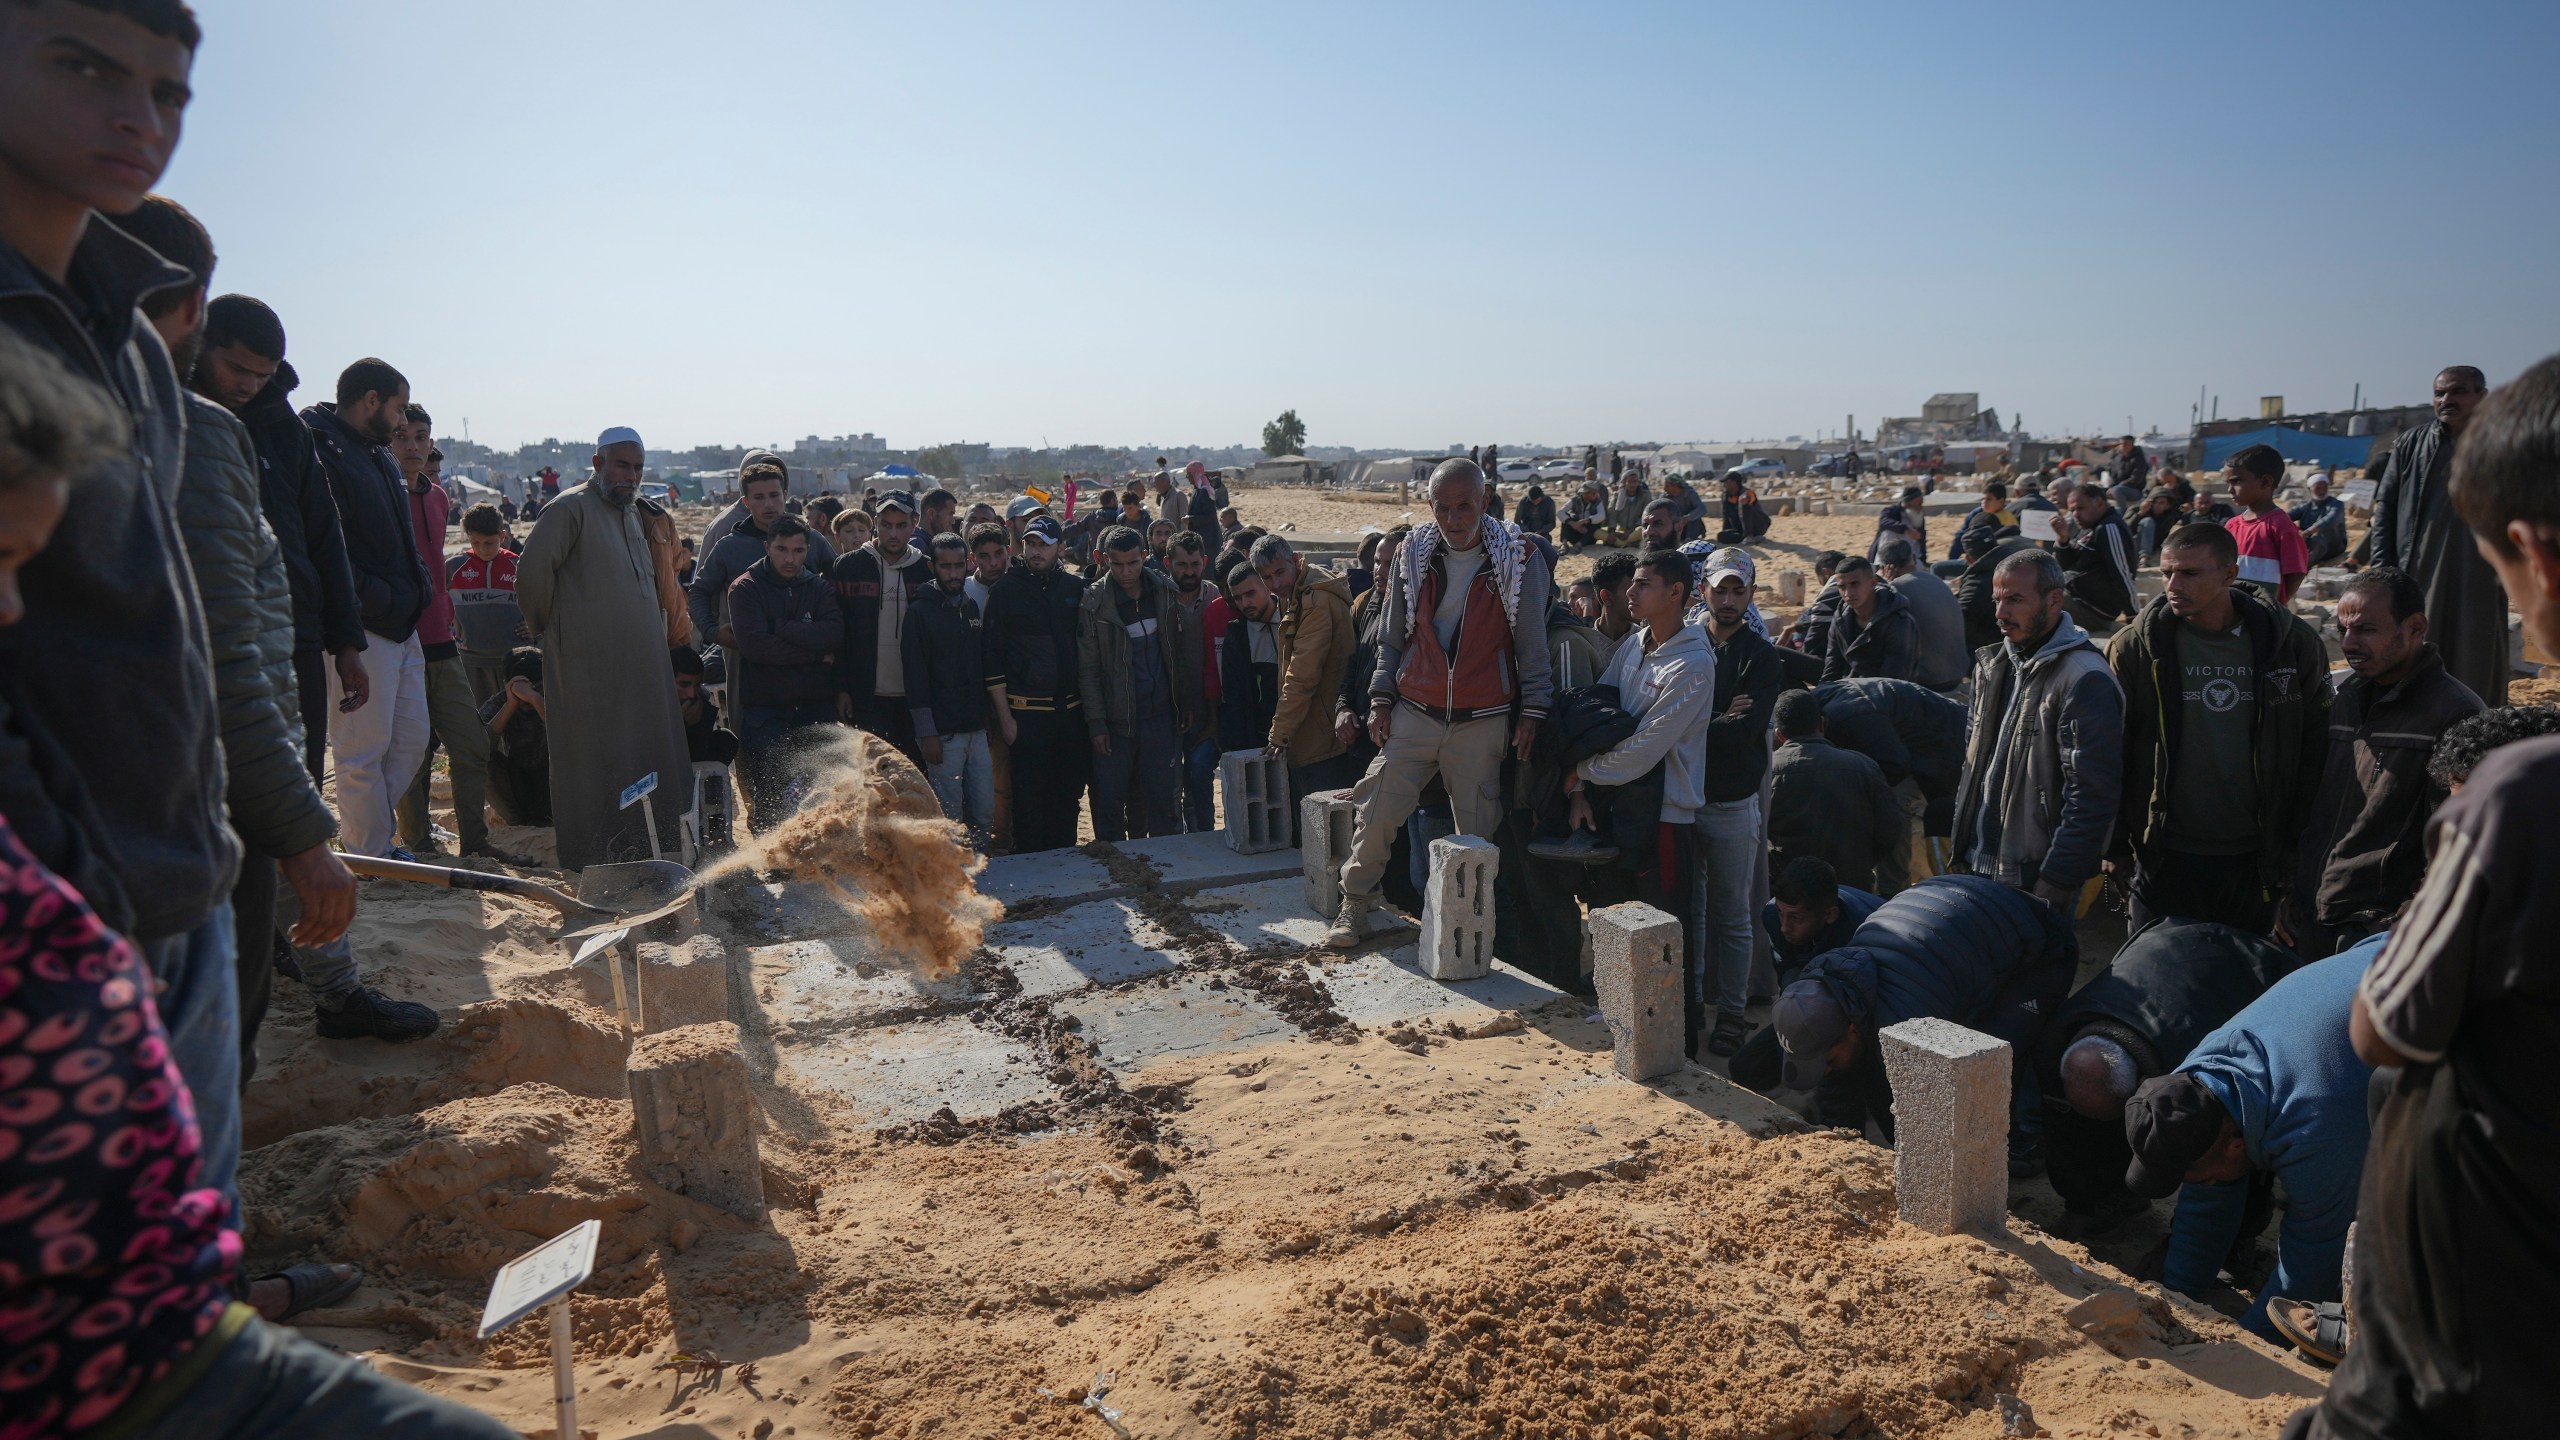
610,897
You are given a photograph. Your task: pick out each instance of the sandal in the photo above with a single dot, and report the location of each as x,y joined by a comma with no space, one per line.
2318,1331
312,1286
1731,1031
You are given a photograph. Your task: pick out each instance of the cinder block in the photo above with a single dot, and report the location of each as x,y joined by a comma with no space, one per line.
1635,965
1457,908
1325,822
695,1116
1790,587
684,983
1254,787
1951,1125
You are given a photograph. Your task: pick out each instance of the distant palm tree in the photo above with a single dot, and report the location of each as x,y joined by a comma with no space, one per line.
1285,436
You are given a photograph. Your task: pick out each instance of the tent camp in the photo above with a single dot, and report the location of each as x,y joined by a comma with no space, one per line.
2292,444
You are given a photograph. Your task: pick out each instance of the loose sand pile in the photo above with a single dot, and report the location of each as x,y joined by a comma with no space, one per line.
872,835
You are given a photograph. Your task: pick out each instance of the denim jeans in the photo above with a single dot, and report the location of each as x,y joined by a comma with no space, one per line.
271,1384
965,782
199,1005
1728,844
1200,787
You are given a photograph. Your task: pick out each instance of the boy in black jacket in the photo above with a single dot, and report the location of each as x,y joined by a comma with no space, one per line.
947,691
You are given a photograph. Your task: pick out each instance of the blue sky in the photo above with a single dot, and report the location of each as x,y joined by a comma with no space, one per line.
1416,224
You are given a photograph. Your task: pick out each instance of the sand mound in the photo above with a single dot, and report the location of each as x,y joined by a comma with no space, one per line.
873,836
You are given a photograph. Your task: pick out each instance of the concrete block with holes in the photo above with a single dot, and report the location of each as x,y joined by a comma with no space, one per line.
683,982
1950,1124
1635,965
1457,908
693,1112
1254,788
1325,822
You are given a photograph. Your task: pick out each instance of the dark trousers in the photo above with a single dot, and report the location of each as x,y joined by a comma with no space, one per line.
1051,757
311,684
770,741
1665,878
1137,787
1200,786
2085,1159
888,717
253,923
2220,888
1537,909
1337,773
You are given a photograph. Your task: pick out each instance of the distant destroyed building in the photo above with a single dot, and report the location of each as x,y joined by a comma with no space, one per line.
1948,415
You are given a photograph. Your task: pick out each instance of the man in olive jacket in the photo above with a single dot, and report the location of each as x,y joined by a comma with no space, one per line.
1138,653
1314,645
2226,729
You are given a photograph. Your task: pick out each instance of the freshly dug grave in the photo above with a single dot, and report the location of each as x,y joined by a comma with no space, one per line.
1492,1236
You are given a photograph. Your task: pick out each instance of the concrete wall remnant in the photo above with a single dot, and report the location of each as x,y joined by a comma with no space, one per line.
1635,965
694,1112
1325,822
1457,908
1254,787
1951,1125
684,983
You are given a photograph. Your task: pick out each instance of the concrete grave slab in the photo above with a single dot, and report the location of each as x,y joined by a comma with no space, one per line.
1134,1030
683,983
1047,877
1635,965
1326,820
1253,795
783,910
1457,908
1950,1124
1265,916
693,1112
816,986
907,1072
1381,988
1097,944
1202,861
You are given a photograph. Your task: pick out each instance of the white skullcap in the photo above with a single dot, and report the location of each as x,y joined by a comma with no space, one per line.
619,435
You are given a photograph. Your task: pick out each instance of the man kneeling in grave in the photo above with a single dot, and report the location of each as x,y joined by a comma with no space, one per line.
1953,947
2173,983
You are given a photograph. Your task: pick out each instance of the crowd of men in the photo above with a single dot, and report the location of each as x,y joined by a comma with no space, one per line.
209,600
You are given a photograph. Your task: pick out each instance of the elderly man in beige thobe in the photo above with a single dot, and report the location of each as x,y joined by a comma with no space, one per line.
589,592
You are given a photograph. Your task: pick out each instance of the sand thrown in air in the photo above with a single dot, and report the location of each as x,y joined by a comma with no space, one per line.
872,835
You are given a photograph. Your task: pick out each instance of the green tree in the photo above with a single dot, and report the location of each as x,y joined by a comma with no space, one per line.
1285,436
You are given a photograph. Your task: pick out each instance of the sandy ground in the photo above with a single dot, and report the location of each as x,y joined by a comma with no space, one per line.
1346,1233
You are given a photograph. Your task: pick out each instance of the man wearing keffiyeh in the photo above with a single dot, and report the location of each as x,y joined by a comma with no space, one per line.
1462,663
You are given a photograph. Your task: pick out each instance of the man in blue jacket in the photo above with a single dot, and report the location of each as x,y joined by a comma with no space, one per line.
1953,947
2276,1094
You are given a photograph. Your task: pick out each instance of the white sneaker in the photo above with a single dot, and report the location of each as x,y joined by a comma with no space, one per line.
1351,926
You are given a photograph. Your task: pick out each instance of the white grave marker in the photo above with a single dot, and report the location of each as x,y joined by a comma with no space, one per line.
543,1276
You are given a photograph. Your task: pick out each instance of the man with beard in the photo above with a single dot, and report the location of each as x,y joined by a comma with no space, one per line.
243,369
589,589
1140,679
1746,686
379,744
1029,640
453,715
1240,675
1187,562
873,586
990,555
2415,529
762,488
1315,643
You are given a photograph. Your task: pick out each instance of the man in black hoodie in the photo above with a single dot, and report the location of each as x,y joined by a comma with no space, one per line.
381,740
243,369
1874,631
1748,678
2097,562
378,746
1029,639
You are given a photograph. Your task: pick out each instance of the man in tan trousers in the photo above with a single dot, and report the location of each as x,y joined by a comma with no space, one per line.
1462,668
